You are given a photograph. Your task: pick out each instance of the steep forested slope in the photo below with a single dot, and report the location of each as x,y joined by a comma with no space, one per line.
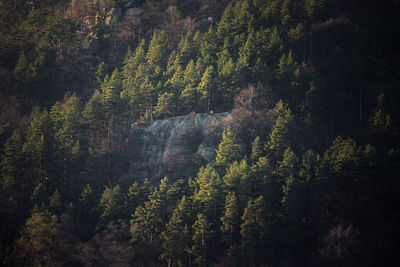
306,174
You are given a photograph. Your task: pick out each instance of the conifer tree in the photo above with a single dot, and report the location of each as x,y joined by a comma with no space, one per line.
94,115
252,229
38,147
37,247
242,16
165,106
12,165
206,88
343,155
111,93
292,213
237,179
159,49
13,187
280,137
111,101
111,203
67,122
188,48
190,98
176,83
147,222
22,70
256,149
202,235
176,237
190,75
131,64
208,52
208,196
228,150
231,219
190,95
86,212
101,72
55,204
380,124
225,27
227,87
289,164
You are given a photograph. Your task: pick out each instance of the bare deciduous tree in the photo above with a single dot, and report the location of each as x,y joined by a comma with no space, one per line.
253,109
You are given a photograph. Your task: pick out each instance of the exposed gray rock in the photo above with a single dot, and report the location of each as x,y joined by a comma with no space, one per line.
129,4
171,146
133,11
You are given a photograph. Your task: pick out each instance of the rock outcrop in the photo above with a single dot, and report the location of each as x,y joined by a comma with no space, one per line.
177,145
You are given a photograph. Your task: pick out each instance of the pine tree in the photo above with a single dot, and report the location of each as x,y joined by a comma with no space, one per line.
190,98
208,197
158,51
22,70
380,124
147,222
66,120
44,241
111,204
111,101
188,48
252,229
314,8
237,179
289,164
148,93
131,64
94,115
231,219
101,72
202,236
292,213
111,93
39,149
86,213
225,27
12,164
165,106
208,52
343,155
256,149
139,91
14,187
176,83
280,137
206,88
176,237
228,150
55,204
242,16
191,76
190,95
227,88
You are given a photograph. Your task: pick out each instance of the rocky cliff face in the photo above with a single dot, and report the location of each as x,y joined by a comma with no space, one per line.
176,146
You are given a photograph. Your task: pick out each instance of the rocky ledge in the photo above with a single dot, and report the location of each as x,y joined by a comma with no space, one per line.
176,146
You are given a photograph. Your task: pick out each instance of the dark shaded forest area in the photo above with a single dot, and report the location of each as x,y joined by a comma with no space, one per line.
304,176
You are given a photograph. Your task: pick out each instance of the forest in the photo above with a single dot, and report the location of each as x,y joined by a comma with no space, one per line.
305,175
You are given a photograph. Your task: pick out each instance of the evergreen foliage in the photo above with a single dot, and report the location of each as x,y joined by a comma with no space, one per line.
310,180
